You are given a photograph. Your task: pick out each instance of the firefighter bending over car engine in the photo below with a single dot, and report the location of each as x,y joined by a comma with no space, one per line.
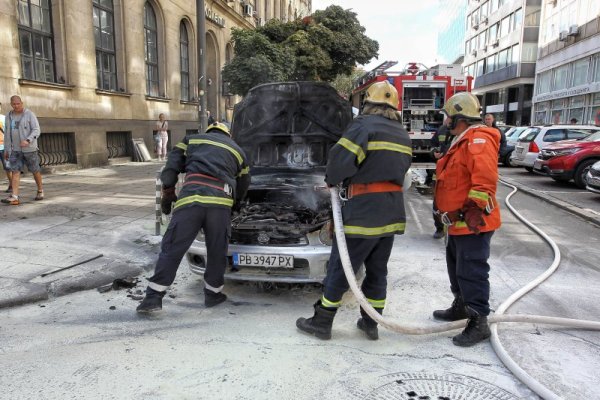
370,161
217,176
465,191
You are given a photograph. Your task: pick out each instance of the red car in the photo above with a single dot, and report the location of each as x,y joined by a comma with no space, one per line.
569,159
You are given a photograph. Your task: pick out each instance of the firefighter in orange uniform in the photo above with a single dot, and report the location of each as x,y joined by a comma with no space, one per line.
465,193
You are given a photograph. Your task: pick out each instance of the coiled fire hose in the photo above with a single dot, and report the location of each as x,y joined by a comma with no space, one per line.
498,316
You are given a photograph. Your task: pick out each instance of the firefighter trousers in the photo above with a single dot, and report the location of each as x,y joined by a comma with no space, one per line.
468,269
183,229
374,253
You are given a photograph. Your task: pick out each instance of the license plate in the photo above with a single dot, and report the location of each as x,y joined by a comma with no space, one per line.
520,150
263,260
537,165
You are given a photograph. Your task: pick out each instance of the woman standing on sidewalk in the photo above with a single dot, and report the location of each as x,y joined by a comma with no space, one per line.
162,137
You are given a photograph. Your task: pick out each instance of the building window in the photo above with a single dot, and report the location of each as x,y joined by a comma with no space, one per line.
502,58
480,67
151,50
184,61
493,6
595,74
504,26
580,72
483,11
491,63
541,110
544,81
482,39
104,36
576,108
561,77
529,52
516,54
559,114
36,40
593,114
493,35
517,19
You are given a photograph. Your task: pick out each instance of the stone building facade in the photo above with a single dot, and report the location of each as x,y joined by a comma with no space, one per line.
97,73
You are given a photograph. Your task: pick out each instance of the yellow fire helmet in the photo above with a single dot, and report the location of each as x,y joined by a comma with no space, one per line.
463,105
219,126
382,93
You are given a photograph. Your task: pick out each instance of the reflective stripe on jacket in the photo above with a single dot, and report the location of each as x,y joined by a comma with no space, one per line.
469,171
214,154
373,149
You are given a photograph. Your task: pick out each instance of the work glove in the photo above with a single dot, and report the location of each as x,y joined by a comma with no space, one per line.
167,198
473,216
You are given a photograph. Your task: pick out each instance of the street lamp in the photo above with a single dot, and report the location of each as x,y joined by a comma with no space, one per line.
201,43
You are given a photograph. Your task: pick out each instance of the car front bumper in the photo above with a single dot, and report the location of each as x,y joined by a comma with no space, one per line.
310,262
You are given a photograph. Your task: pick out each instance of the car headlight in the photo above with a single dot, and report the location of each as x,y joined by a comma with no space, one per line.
564,152
326,233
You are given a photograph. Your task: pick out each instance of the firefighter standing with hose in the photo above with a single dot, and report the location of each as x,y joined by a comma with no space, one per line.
370,161
216,178
467,177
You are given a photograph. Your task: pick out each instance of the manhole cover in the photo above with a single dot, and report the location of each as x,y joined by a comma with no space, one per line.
423,386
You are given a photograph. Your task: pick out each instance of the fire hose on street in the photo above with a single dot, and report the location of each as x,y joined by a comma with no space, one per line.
493,320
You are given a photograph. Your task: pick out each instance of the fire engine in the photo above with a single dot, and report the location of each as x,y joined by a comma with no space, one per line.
422,92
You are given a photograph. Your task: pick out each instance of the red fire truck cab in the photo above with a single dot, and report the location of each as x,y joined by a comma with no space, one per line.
422,93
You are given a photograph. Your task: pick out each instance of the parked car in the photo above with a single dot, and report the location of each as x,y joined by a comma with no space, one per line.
283,230
511,138
570,159
593,178
535,138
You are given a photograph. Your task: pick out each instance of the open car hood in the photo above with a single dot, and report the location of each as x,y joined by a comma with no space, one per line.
290,125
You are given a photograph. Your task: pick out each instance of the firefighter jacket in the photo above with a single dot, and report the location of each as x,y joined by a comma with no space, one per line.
469,171
216,168
373,149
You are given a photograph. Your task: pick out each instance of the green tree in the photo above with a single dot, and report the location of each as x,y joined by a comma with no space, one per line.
321,47
344,83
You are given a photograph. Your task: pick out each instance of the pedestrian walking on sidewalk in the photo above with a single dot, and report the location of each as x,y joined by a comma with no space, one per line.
370,161
4,162
465,195
21,148
161,137
217,177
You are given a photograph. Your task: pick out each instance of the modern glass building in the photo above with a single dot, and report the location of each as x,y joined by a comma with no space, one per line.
568,68
500,52
451,34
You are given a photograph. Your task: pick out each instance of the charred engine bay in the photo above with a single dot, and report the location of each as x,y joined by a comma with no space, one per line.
281,216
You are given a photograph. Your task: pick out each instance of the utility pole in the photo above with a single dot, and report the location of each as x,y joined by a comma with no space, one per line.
201,44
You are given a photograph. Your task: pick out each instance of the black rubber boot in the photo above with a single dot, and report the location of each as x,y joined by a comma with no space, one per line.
320,323
152,302
212,299
476,331
456,311
438,234
368,325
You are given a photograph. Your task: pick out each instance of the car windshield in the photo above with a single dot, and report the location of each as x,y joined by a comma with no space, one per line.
594,137
529,134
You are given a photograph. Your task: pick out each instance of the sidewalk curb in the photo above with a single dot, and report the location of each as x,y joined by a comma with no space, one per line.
580,212
15,292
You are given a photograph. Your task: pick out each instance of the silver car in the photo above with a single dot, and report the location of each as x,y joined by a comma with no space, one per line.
282,232
535,138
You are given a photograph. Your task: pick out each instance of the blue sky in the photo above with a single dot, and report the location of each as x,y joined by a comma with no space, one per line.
406,30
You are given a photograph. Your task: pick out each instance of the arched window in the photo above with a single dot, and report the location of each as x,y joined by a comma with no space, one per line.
184,60
151,50
104,37
36,40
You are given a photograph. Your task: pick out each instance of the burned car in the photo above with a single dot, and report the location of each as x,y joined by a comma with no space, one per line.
282,232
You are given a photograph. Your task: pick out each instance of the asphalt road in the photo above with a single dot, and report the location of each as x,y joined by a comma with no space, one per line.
94,345
565,191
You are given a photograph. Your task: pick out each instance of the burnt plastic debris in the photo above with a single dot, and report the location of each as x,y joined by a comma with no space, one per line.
119,283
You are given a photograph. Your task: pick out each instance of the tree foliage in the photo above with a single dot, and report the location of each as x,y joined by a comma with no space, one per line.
321,47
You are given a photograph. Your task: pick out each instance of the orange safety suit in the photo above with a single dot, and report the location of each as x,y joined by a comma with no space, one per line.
469,171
